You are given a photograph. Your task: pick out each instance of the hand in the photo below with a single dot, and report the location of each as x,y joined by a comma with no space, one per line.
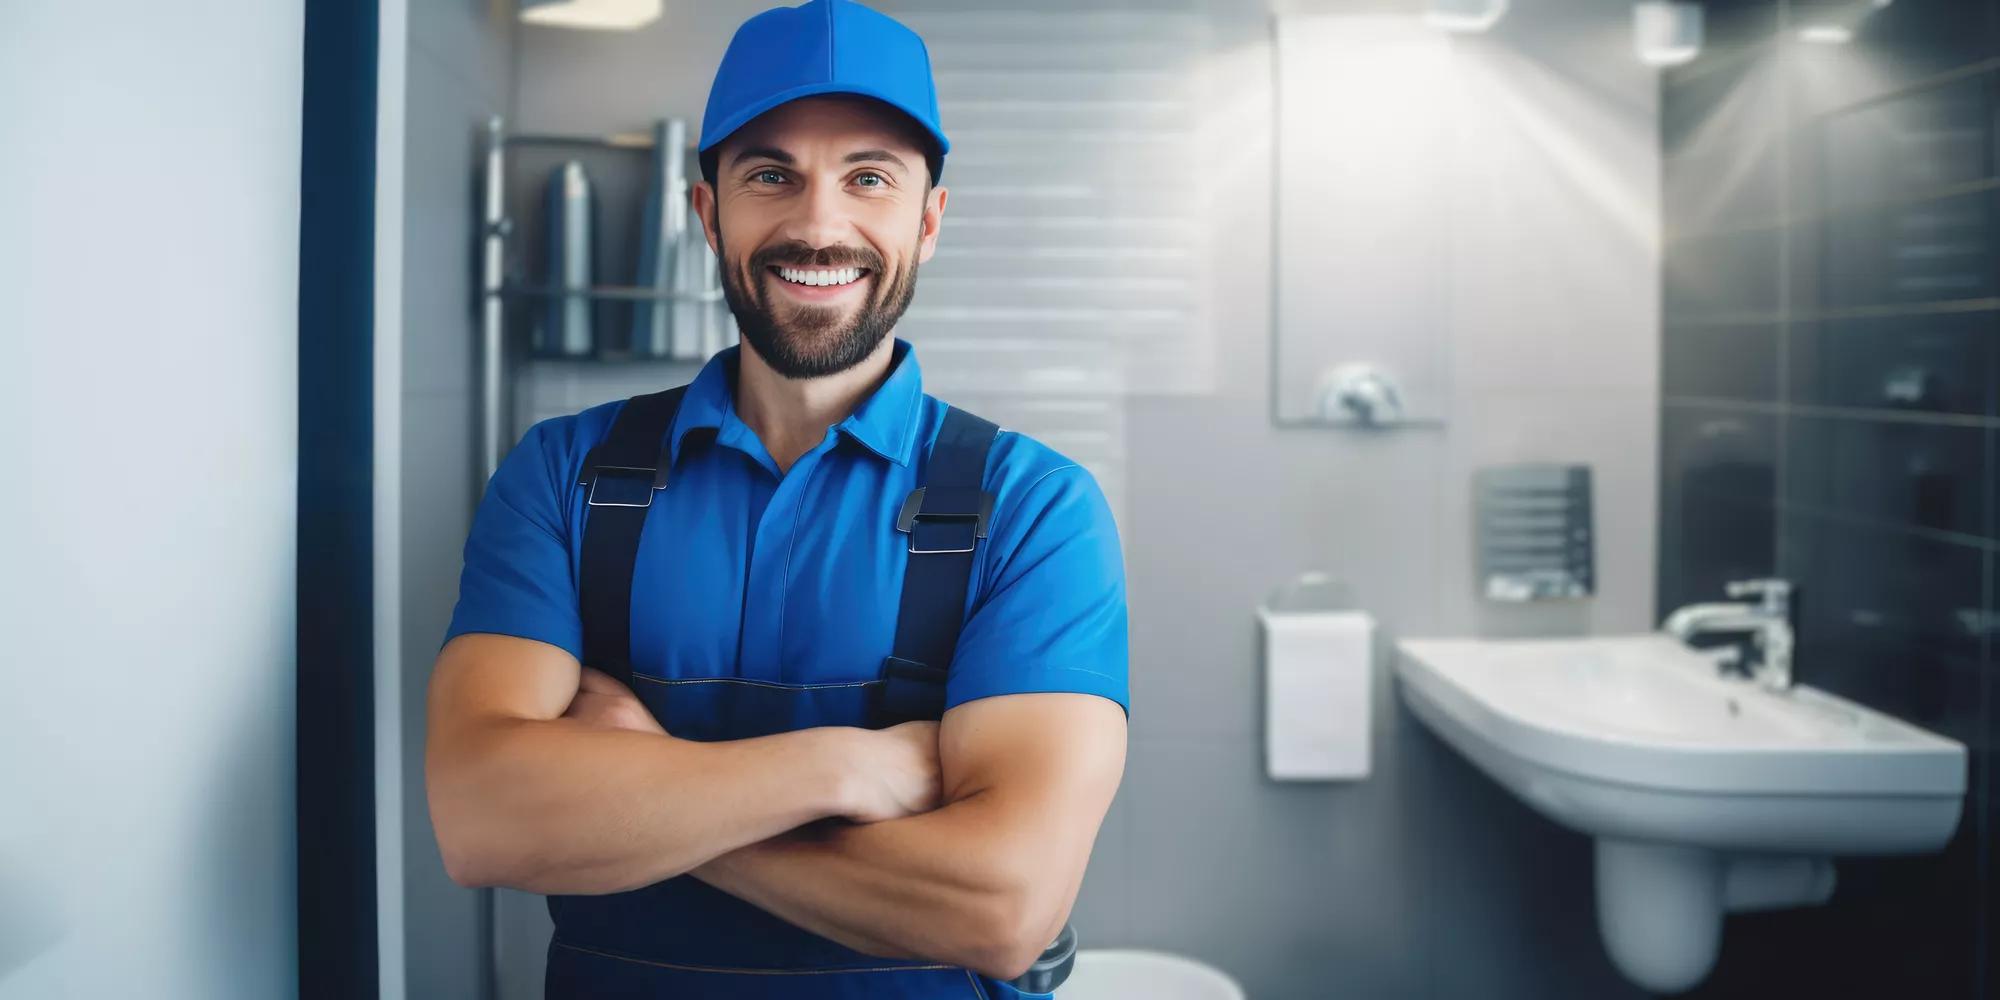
893,772
602,701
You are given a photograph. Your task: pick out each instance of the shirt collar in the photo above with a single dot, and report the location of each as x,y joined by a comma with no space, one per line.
885,422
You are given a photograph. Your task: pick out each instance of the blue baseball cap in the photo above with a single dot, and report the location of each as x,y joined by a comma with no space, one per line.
820,47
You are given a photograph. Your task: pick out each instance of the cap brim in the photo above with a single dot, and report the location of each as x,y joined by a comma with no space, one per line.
743,116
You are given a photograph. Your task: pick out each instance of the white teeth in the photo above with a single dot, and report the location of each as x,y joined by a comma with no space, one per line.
836,276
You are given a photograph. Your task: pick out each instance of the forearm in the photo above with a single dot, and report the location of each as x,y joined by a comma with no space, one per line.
558,807
938,885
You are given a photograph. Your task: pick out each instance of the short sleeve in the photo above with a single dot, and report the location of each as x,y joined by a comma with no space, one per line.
1053,617
517,578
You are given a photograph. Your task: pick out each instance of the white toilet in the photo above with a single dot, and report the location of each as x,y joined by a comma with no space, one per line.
1139,974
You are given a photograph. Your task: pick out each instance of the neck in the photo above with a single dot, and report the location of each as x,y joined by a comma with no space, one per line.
791,416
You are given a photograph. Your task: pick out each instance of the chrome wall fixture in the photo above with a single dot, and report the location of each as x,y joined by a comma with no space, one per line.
1358,394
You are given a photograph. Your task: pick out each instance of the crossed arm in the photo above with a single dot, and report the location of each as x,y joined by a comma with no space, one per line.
987,879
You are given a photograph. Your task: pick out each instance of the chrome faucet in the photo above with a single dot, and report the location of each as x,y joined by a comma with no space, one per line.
1769,621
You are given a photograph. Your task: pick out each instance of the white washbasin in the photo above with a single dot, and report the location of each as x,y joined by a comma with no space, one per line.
1706,794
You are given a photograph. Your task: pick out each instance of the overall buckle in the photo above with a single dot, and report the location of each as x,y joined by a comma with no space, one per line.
633,485
913,511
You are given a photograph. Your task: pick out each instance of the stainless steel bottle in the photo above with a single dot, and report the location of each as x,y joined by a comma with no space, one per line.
566,326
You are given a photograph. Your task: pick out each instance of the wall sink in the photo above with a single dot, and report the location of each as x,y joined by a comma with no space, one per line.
1705,794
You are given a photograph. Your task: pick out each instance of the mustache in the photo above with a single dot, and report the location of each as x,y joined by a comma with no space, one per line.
796,254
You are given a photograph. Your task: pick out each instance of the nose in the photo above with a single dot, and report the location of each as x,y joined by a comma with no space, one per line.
820,220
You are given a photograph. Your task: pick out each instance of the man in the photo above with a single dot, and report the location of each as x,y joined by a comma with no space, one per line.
741,821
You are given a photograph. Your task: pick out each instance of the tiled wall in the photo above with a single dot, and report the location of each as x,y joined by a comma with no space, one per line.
1830,411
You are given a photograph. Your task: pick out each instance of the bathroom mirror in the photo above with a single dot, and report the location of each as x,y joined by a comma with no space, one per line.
1361,213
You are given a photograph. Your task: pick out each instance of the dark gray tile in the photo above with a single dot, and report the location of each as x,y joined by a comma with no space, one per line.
1986,754
1729,273
1889,614
1933,250
1939,363
1894,472
1721,361
1896,927
1718,482
1897,147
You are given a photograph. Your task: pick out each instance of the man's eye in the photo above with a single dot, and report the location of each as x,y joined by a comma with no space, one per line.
876,176
759,175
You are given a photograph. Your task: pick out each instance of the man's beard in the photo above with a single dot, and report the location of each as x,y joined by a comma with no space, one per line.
815,340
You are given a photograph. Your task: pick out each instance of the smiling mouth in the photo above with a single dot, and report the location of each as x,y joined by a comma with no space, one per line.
819,277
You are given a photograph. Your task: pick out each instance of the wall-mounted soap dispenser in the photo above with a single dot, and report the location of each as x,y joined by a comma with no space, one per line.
1319,665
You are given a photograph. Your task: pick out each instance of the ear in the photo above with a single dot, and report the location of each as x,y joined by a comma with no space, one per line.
933,218
704,209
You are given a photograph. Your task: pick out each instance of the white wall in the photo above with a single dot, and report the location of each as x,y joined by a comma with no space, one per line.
148,317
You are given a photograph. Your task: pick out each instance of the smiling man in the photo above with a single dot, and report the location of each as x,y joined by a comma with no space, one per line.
794,681
841,296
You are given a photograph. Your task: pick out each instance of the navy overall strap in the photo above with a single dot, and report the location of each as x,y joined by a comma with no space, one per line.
622,474
944,519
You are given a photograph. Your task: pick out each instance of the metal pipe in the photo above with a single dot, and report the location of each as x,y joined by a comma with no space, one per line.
492,343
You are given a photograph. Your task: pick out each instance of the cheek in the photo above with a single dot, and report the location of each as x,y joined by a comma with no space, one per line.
741,230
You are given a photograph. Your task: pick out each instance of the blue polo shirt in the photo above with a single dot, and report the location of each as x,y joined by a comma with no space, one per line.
797,578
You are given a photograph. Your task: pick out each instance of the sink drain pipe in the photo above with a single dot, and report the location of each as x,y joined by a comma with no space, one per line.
1660,906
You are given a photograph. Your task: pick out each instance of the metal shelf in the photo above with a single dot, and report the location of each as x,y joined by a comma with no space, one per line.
503,290
635,141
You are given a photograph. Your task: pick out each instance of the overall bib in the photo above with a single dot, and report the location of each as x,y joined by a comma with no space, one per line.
682,938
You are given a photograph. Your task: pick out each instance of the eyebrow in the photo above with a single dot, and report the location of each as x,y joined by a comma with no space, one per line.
774,153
